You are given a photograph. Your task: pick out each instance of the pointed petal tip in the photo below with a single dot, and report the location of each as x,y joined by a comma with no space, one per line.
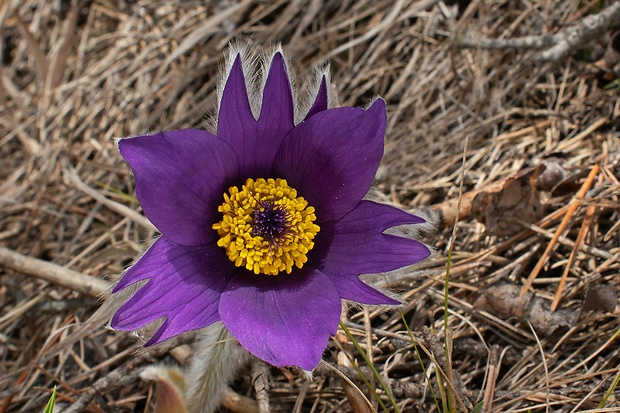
124,144
114,322
358,244
323,86
321,100
278,68
278,63
378,108
378,105
185,286
234,69
279,56
160,335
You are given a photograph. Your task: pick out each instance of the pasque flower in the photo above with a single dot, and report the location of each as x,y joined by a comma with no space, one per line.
263,223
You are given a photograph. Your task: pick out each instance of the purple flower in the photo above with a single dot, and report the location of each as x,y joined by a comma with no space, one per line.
263,224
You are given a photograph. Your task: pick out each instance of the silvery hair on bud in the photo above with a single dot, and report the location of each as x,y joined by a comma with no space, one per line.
213,366
256,63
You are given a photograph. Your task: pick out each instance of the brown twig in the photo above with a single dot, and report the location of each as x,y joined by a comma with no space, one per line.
559,44
53,273
116,378
494,366
237,403
577,36
260,380
583,231
121,209
572,207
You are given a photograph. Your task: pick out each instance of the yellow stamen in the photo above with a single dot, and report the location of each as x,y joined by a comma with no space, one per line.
250,238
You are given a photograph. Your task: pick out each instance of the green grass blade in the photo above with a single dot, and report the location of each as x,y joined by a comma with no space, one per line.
419,356
123,195
386,389
367,383
447,398
610,391
51,402
478,408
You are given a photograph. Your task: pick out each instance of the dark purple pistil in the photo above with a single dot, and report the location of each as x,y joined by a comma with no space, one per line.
270,221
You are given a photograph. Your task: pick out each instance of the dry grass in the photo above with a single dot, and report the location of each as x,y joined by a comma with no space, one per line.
76,74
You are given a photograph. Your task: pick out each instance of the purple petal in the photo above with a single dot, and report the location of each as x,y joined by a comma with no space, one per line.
355,244
235,118
320,103
331,158
350,287
184,286
277,112
284,320
256,142
181,177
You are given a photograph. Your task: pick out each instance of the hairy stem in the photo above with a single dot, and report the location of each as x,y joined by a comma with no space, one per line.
214,365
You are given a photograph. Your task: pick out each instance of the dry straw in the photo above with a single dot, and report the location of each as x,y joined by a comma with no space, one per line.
74,75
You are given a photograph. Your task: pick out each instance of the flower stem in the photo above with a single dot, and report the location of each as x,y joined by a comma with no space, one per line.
214,365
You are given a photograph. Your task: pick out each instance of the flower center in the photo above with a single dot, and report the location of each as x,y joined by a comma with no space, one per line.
266,227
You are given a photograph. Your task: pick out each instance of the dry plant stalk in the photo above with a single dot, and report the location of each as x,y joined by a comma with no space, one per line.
574,204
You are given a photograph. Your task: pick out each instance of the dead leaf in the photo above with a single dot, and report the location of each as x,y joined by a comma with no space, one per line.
600,298
504,302
499,207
